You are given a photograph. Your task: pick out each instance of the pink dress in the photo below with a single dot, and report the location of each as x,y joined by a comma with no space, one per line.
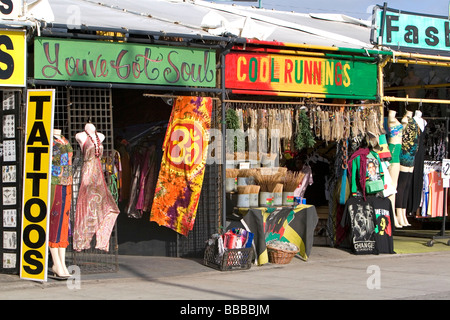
96,211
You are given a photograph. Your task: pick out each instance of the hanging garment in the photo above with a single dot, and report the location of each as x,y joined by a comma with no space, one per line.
436,190
61,193
389,188
395,138
96,210
410,139
183,164
366,174
360,216
384,152
384,226
125,173
417,179
306,181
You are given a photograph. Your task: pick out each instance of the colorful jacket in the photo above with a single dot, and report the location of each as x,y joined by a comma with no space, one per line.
359,168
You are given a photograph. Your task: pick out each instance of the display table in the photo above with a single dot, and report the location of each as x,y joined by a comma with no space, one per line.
291,224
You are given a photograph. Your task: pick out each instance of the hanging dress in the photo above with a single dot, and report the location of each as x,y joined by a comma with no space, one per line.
61,193
96,211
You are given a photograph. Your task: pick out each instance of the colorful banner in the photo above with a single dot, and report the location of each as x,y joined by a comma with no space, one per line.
37,184
12,58
183,165
118,62
289,73
410,30
294,225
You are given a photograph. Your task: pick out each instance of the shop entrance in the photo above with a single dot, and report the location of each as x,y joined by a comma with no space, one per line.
132,121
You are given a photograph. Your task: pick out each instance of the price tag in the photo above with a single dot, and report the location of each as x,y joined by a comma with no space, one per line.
445,168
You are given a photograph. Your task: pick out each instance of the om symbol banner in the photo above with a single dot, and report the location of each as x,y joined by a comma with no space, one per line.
183,164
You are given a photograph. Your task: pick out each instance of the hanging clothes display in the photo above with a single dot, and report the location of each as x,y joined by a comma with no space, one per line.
96,210
145,162
432,198
183,164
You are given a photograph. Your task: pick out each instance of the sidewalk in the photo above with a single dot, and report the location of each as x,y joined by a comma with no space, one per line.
329,274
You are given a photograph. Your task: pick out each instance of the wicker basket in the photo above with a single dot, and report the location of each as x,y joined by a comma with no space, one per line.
279,256
232,259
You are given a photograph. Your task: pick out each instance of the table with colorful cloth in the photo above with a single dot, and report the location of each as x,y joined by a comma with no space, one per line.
291,224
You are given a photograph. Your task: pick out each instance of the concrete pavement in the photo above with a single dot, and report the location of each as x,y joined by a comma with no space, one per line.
329,274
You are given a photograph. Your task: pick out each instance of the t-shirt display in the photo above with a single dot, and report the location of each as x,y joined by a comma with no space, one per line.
360,215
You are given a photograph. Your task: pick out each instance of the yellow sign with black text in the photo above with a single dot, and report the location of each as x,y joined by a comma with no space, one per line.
12,58
37,184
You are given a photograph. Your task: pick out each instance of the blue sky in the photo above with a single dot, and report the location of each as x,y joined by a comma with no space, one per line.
354,8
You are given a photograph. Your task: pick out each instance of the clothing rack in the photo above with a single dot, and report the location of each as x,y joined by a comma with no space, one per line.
441,234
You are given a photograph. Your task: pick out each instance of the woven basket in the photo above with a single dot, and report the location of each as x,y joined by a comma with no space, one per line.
279,256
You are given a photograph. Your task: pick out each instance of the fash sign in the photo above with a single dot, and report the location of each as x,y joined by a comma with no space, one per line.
37,184
406,30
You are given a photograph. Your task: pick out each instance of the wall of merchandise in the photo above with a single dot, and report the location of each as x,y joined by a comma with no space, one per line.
10,161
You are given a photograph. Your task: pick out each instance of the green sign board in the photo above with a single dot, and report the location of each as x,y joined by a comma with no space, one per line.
399,29
114,62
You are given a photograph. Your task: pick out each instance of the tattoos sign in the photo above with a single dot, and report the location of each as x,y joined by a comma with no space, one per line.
36,184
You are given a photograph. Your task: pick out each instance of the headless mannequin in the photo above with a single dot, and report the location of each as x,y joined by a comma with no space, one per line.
59,254
90,129
401,212
395,142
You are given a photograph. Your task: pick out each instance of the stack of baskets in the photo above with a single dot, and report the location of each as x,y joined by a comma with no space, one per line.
281,252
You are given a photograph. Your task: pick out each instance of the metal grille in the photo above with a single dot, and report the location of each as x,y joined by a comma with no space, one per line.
73,108
95,106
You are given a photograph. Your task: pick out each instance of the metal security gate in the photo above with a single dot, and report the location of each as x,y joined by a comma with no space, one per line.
91,105
73,108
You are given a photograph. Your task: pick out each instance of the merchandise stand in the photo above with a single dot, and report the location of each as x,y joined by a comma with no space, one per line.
409,56
441,234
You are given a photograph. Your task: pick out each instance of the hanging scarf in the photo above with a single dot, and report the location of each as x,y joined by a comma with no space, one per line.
183,164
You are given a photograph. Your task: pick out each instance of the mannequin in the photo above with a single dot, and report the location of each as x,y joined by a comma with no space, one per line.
409,149
395,145
90,129
61,195
96,210
419,120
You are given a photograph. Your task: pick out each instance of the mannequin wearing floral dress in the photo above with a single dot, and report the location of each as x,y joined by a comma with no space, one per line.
96,210
61,199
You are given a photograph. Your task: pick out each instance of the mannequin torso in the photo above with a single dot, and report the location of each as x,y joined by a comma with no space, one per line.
89,129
